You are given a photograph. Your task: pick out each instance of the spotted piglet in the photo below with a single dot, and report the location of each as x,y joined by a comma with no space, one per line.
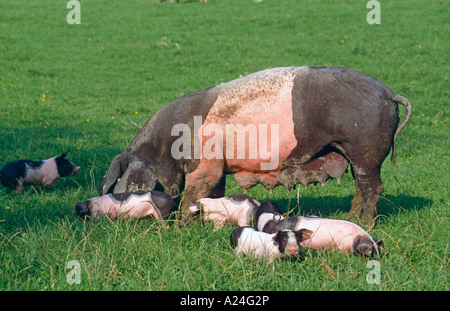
281,244
135,205
237,209
17,173
342,235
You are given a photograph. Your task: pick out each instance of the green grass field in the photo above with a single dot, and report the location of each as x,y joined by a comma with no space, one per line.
90,87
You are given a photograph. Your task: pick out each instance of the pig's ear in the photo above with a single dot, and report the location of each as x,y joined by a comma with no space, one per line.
112,176
277,236
65,153
138,175
379,243
304,234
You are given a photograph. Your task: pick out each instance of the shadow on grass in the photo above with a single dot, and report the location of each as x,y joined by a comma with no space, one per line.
328,205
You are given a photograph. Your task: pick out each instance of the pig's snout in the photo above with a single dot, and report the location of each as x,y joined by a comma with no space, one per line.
195,207
82,210
75,170
293,250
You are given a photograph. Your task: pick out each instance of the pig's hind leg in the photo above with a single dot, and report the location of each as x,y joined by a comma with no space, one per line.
366,167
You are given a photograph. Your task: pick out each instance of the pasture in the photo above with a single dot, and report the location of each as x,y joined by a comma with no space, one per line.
91,86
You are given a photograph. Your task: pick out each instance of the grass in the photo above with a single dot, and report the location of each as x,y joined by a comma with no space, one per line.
90,87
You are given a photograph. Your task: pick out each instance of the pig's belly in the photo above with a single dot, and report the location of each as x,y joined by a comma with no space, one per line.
237,217
217,215
327,234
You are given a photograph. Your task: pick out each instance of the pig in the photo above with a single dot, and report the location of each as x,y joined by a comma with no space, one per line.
17,173
342,235
281,244
303,125
135,205
237,209
267,217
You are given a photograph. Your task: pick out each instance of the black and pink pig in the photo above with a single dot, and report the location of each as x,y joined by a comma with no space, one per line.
237,209
280,244
345,236
128,205
17,173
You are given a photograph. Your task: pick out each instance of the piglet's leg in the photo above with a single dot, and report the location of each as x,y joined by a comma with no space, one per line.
157,214
219,224
19,185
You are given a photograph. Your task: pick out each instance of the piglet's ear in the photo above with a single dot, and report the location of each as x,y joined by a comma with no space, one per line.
276,237
65,153
304,234
379,243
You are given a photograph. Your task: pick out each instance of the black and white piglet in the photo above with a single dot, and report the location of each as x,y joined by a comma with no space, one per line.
128,205
17,173
283,243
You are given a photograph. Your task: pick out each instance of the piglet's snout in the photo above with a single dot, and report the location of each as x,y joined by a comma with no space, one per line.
293,249
75,170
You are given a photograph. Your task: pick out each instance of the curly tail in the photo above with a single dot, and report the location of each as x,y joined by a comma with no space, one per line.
403,101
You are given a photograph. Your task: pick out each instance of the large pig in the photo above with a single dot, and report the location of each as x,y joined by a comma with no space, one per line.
17,173
342,235
280,126
283,243
237,209
134,205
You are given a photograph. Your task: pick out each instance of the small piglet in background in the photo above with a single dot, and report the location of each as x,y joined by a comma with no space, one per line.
17,173
281,244
134,205
343,235
237,209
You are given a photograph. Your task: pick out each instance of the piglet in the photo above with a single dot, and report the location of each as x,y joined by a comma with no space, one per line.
237,209
17,173
327,233
281,244
135,205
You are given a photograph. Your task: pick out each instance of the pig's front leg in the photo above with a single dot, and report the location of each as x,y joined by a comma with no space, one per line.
200,183
219,223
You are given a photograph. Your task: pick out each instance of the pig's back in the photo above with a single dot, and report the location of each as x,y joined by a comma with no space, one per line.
254,242
329,233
